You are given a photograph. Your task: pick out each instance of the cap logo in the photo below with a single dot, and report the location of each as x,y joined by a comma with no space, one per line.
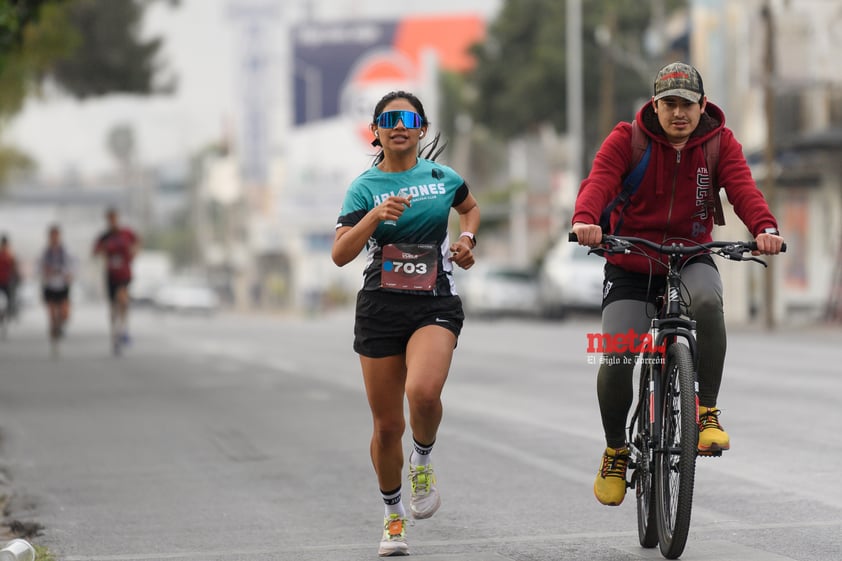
672,75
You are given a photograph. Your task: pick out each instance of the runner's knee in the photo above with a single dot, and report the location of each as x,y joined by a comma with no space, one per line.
423,398
388,430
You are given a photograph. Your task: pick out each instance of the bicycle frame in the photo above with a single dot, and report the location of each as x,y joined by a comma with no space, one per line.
670,326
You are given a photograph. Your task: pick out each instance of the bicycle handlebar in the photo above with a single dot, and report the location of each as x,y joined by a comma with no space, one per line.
623,244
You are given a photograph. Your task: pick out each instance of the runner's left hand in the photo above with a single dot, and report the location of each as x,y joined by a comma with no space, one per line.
461,254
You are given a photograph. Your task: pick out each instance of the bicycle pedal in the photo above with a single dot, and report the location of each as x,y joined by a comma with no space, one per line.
711,453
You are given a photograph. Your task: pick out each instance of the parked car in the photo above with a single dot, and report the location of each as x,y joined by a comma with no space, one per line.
498,290
570,279
151,271
188,295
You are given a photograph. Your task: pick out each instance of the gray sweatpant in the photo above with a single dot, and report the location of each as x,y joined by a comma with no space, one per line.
703,290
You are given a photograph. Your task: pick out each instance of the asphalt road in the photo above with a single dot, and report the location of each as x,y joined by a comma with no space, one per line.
247,438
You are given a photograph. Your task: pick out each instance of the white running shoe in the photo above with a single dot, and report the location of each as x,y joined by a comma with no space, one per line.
425,499
394,537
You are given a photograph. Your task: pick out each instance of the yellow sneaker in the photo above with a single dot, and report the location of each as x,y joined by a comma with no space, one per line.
610,485
712,437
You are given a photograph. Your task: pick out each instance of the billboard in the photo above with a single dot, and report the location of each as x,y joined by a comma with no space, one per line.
340,70
329,58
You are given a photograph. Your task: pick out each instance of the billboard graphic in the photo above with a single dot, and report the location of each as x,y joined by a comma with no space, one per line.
332,60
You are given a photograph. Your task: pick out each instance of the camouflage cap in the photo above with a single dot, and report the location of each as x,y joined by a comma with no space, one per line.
681,80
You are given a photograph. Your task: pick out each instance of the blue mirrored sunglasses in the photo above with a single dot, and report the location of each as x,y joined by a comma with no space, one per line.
389,119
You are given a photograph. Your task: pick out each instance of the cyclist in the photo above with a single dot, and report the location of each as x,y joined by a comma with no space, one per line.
9,276
118,244
671,203
408,315
56,276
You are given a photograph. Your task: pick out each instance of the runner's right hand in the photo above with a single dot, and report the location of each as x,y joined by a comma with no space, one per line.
392,208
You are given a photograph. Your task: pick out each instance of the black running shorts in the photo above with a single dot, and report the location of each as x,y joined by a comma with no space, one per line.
113,286
386,320
56,295
620,284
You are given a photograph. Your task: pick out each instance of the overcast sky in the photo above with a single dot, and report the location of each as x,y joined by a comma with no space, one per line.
201,45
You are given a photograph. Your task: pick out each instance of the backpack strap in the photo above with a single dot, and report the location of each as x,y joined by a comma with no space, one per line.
641,150
711,148
640,144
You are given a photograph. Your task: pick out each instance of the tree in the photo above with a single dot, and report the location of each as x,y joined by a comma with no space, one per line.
111,56
32,36
15,16
521,78
82,47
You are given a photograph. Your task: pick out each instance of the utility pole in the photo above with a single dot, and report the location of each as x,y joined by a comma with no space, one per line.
608,32
575,94
769,179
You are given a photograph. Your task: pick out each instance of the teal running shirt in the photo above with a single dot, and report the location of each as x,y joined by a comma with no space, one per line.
435,189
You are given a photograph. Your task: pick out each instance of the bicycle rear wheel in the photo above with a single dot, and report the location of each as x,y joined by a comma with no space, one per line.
676,465
647,526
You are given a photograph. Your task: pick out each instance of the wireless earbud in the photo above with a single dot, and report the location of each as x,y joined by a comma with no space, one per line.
421,134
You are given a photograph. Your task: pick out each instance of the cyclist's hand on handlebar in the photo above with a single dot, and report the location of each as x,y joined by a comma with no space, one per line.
768,244
588,234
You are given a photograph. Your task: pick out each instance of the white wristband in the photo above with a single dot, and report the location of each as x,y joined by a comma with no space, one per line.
471,237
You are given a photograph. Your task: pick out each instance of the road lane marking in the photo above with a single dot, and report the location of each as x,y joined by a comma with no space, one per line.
551,466
715,550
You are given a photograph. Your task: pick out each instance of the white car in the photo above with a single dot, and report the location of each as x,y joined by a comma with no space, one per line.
189,295
498,290
570,279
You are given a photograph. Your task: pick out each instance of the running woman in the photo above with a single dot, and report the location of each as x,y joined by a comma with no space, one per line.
56,277
408,314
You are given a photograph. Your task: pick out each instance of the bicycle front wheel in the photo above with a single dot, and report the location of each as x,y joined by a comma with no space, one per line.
676,466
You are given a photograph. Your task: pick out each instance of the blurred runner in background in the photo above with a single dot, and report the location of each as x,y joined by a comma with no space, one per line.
118,245
56,268
9,278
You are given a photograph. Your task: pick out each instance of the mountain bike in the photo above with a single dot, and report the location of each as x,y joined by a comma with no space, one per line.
663,432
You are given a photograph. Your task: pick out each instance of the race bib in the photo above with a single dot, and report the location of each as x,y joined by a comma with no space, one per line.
116,261
56,281
409,267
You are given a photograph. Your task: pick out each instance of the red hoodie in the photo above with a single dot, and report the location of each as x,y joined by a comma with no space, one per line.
670,203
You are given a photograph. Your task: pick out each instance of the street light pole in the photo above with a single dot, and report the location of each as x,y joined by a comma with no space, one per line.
575,95
769,153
